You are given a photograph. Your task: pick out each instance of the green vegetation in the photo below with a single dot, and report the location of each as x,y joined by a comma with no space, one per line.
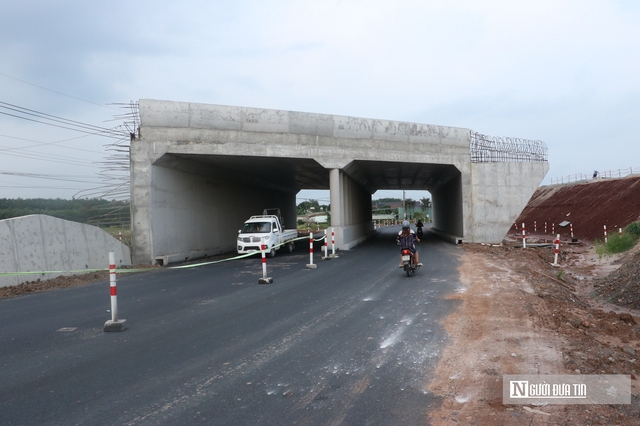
384,209
617,243
311,206
414,209
418,216
313,226
633,229
98,212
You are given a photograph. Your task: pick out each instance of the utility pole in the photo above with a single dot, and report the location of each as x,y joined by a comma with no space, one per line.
404,207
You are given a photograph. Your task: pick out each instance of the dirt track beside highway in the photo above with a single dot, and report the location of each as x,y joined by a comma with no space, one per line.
520,315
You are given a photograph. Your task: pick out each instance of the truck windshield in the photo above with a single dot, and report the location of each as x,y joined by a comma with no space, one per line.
256,227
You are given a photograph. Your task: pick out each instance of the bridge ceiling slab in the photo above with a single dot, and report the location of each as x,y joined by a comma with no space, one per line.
397,175
294,174
290,174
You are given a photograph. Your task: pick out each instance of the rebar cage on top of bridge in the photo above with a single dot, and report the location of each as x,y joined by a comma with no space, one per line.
487,149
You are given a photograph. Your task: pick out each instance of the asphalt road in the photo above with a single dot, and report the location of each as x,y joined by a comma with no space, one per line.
352,342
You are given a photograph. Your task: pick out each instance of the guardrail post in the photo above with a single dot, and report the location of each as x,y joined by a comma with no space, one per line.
264,279
114,324
333,243
557,250
524,237
311,265
325,246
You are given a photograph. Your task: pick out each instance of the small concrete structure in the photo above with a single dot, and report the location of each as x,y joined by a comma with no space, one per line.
198,171
37,243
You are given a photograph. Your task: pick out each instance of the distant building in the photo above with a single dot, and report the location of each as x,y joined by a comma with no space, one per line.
314,218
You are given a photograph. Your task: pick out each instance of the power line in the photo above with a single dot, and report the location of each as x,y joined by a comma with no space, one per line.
115,170
64,178
54,91
64,123
38,144
67,188
51,158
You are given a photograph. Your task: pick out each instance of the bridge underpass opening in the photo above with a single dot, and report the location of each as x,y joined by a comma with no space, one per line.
200,201
442,181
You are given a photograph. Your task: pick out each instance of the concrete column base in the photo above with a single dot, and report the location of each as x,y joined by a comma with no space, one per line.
119,325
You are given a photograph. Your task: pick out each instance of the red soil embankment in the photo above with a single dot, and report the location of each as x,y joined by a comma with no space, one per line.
589,206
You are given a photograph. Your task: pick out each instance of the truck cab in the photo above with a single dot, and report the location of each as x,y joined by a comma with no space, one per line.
267,230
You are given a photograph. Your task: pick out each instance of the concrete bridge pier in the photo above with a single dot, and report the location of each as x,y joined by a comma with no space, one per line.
350,210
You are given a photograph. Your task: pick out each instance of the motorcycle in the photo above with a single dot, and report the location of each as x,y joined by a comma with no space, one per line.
409,262
419,232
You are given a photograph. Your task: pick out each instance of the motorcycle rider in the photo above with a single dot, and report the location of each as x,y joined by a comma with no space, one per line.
419,226
406,238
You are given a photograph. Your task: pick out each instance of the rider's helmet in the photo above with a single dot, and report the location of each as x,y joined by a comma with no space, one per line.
405,224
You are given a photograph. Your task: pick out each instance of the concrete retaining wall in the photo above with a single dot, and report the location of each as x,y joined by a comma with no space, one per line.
194,217
498,193
44,243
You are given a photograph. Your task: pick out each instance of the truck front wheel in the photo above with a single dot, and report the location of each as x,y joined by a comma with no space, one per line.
272,253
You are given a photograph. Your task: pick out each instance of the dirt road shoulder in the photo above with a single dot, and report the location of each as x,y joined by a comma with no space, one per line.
520,315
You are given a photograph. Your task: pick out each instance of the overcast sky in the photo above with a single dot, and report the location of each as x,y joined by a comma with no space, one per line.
564,72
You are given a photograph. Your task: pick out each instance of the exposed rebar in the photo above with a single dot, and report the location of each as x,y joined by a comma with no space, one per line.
488,149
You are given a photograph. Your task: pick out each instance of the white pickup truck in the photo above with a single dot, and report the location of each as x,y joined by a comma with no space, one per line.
265,229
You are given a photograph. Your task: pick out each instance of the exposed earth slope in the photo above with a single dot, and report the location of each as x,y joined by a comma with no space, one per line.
589,206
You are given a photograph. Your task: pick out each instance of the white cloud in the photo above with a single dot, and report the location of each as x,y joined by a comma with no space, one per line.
564,72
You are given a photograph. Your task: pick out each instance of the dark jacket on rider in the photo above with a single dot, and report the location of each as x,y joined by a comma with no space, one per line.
407,240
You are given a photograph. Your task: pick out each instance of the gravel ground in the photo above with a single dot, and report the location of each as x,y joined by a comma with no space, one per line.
622,287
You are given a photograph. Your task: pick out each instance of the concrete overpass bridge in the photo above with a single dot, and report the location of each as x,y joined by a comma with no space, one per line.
198,171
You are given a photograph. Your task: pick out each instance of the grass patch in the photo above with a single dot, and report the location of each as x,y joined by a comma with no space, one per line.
618,243
633,229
